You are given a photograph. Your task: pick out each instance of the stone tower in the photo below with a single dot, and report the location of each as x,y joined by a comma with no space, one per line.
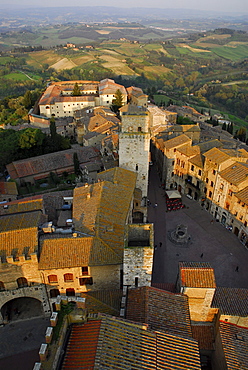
134,143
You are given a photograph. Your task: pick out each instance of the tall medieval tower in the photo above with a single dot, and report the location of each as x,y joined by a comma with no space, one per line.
134,143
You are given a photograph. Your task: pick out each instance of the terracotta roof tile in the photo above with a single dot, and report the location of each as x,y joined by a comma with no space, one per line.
82,346
177,141
101,210
50,162
216,155
242,195
124,345
161,310
236,173
189,151
8,188
19,233
235,345
231,301
23,205
104,301
198,160
197,275
207,145
108,86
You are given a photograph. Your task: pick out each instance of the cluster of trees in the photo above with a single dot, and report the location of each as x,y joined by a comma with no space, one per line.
232,98
228,127
30,142
14,111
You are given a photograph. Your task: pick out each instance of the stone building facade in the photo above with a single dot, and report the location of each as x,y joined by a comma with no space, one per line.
138,255
134,144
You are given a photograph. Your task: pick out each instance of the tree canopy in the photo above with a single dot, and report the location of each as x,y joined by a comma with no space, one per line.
76,90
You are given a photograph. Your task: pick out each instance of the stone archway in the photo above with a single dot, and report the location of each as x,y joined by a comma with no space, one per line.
21,308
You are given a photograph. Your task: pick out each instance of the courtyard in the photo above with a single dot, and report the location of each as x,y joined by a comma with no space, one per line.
209,241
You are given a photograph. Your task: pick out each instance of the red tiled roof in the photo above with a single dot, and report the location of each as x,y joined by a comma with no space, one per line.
161,310
235,345
19,233
50,162
231,301
197,275
82,346
120,344
8,188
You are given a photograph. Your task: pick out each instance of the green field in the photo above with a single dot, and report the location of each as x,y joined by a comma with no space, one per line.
5,60
234,53
16,76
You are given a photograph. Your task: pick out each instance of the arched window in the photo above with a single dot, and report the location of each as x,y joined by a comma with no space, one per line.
68,277
52,279
2,287
22,282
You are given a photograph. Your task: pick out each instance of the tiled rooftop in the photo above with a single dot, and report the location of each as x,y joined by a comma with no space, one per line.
189,151
161,310
50,162
231,301
19,234
8,188
243,195
207,145
82,345
101,210
104,301
22,205
176,141
19,221
60,252
197,160
53,92
236,173
124,345
108,86
196,275
235,345
216,155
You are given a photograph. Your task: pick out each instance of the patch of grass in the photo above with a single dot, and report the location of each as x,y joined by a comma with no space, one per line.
5,60
238,121
233,53
16,76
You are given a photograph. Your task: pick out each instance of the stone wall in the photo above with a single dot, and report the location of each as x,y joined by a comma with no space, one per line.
138,255
138,266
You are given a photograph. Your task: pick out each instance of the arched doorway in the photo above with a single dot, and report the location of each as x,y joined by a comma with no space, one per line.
236,231
138,217
21,308
54,293
179,188
196,196
223,219
70,292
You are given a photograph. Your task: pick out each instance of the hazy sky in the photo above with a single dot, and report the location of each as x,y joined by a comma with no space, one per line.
239,6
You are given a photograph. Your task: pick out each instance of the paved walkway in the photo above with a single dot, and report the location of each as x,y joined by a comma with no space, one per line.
219,247
20,343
